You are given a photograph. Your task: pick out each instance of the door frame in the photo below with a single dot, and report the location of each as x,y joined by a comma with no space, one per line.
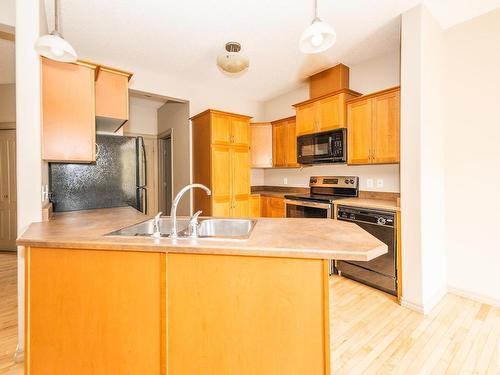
169,134
11,126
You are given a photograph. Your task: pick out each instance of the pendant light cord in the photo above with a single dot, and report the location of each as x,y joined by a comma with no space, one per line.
56,16
315,9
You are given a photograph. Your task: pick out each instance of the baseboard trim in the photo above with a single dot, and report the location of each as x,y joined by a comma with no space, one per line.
434,301
474,296
19,355
412,306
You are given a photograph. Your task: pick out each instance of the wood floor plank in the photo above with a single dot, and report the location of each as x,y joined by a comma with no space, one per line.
371,332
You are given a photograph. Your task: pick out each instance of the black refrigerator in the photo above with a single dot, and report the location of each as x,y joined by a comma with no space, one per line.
116,179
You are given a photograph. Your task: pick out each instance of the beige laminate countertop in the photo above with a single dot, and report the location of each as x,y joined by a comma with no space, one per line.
295,238
369,203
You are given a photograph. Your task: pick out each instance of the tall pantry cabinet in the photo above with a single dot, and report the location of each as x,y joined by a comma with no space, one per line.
221,161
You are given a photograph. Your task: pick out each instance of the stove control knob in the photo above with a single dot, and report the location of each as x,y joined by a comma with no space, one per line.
346,181
352,181
381,221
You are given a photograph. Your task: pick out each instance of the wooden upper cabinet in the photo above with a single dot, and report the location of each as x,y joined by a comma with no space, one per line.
240,131
373,128
261,144
280,144
306,119
325,113
386,128
221,129
68,112
230,129
284,143
111,98
359,132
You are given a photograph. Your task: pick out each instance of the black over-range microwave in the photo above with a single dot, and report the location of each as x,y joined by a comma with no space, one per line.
325,147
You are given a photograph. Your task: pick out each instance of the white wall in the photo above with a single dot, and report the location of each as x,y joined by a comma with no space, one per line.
8,102
143,116
8,12
473,154
369,76
31,171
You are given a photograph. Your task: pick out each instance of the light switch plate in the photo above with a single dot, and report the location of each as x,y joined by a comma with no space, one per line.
380,182
369,182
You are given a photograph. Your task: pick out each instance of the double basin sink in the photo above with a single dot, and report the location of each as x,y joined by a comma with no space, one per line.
231,229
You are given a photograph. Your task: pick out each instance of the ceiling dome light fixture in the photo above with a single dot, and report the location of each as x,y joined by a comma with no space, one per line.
53,45
232,61
319,35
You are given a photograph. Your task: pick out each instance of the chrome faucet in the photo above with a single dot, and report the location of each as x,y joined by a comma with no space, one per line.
173,211
193,225
156,226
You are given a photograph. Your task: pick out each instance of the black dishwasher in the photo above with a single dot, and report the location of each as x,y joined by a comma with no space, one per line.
381,272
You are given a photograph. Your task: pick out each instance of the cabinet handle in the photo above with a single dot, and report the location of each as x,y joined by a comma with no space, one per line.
5,196
373,154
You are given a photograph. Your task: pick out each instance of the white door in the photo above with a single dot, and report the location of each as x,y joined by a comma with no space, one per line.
8,225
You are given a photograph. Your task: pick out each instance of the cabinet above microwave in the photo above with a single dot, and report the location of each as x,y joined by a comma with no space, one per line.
325,113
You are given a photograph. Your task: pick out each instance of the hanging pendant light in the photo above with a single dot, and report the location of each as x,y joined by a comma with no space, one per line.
53,45
232,61
319,35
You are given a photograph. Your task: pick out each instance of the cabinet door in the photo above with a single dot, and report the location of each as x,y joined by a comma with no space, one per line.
221,181
221,129
280,144
241,207
8,224
264,206
331,113
359,132
111,95
240,132
68,112
240,173
262,145
385,113
255,206
306,119
277,207
292,144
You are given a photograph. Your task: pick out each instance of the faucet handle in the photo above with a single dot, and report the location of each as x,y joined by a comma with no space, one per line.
194,218
158,215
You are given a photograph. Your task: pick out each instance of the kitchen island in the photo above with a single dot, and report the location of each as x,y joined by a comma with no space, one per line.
98,304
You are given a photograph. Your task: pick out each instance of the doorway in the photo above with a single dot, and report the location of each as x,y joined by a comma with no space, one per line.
165,189
8,208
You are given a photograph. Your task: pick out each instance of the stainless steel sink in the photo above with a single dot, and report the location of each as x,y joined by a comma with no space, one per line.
145,228
226,228
231,229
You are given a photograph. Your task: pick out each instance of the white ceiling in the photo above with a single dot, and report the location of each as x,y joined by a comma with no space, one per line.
7,62
183,37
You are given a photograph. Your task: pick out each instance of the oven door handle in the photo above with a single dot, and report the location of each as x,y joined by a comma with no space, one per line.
308,204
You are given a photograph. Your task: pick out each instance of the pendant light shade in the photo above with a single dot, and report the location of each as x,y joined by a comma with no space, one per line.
53,45
232,61
319,35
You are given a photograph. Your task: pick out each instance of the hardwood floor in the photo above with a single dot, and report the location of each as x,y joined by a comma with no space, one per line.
371,333
8,314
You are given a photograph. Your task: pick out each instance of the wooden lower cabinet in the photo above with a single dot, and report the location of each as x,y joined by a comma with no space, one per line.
94,312
125,312
255,206
272,207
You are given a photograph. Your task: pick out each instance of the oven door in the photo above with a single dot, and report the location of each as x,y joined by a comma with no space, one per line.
295,208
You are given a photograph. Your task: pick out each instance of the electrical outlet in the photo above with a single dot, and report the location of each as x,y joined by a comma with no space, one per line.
369,183
380,182
285,181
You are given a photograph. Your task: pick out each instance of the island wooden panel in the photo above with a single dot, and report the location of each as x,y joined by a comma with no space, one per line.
95,312
247,315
